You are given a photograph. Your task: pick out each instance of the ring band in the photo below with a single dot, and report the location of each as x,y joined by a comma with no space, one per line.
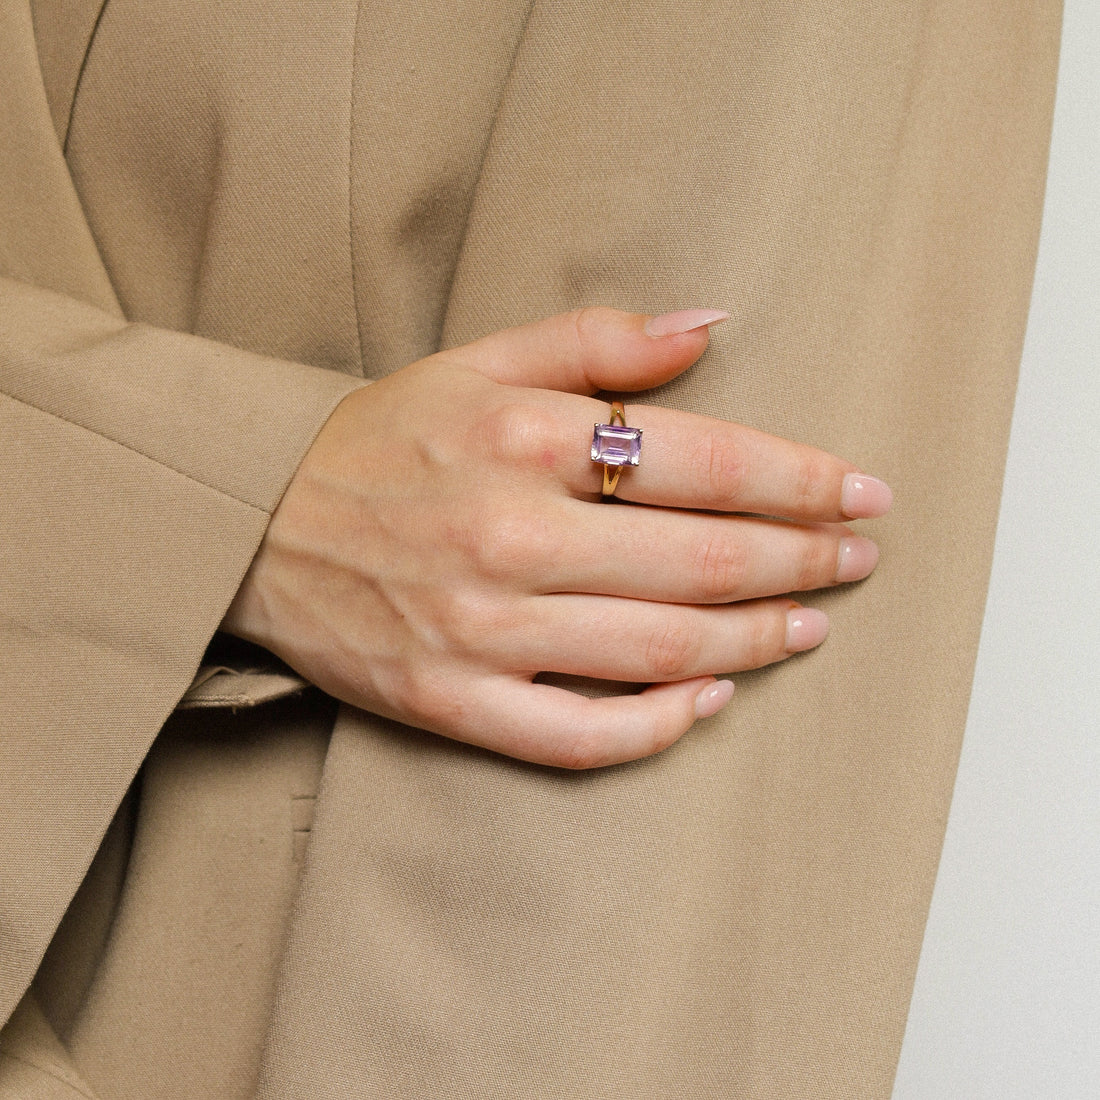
614,446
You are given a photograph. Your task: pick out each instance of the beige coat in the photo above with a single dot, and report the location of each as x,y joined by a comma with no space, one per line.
218,218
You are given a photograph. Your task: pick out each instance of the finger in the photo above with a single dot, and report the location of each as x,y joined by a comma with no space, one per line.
702,463
549,725
682,557
641,642
592,349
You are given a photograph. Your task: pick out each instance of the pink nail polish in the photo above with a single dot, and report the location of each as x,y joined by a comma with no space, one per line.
855,559
683,320
713,698
806,627
864,497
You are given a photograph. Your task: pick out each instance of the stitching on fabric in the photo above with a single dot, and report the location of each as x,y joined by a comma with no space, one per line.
49,1071
80,75
240,701
134,450
505,85
125,817
351,169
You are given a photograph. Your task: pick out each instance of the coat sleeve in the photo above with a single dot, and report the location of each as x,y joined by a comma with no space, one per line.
140,467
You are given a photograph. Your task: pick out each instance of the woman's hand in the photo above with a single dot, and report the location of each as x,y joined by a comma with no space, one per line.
444,541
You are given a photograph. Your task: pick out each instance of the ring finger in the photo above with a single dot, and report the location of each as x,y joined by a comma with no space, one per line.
640,642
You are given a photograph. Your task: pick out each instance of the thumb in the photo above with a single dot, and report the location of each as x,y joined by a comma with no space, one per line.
592,349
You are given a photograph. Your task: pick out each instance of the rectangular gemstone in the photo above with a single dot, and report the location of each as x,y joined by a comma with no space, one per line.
615,445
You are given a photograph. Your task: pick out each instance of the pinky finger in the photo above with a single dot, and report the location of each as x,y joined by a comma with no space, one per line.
549,725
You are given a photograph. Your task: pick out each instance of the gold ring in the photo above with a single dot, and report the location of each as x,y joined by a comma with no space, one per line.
614,446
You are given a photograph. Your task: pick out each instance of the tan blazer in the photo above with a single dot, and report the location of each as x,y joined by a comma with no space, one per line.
215,221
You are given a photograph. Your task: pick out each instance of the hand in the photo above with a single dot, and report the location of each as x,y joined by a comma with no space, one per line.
444,541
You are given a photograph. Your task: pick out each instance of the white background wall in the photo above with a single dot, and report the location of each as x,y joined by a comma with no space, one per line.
1007,1001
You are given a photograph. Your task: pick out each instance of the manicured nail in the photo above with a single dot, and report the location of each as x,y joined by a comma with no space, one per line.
806,627
713,698
855,559
864,497
684,320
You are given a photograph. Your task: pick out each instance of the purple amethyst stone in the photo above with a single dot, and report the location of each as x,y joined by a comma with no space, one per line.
616,445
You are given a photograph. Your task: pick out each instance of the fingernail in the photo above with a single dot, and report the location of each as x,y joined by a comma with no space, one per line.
684,320
806,627
864,497
713,698
855,559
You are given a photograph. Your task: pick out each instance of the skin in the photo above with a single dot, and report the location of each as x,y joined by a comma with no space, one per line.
444,541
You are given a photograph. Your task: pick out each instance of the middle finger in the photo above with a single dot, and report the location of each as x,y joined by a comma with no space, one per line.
671,556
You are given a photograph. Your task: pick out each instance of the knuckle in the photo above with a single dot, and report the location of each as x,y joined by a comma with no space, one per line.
515,434
505,545
817,565
436,704
721,567
588,747
403,684
473,619
718,465
589,323
672,651
807,489
658,737
765,641
576,754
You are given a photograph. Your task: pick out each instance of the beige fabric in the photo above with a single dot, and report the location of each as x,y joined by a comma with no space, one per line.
341,189
34,1064
199,926
140,468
